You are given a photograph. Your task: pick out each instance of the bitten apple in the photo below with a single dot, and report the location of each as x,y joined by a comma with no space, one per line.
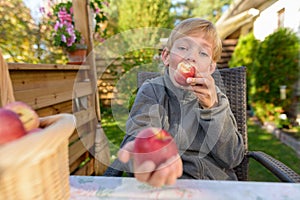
184,71
28,116
154,144
11,127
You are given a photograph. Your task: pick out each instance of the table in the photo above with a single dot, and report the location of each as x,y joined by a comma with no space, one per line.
100,187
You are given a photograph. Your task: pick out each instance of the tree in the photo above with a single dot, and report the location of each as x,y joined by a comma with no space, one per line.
137,26
210,9
23,40
17,32
244,55
183,10
147,13
277,64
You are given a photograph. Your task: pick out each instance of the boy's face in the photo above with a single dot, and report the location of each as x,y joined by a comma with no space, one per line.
193,49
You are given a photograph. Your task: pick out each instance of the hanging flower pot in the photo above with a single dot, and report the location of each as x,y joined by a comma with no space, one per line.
78,55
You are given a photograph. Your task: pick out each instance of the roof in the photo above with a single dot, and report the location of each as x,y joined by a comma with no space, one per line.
240,12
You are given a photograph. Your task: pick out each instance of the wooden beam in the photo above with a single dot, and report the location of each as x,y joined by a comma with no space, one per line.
240,13
83,23
235,22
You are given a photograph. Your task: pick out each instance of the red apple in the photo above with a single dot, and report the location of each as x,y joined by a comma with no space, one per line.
154,144
184,71
11,127
28,116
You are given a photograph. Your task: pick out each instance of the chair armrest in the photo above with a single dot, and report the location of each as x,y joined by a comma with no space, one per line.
280,170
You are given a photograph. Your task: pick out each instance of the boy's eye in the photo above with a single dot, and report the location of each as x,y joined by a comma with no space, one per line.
203,54
182,48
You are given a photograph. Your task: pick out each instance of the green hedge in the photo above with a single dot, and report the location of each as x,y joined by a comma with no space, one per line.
270,64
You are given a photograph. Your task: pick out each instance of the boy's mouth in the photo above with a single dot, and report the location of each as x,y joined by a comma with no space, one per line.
184,70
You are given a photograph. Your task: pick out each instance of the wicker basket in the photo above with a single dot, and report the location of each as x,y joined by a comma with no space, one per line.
36,166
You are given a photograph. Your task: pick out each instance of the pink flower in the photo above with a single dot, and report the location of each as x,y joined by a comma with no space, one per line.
63,15
106,3
49,14
42,10
70,30
97,10
56,26
102,40
63,38
71,40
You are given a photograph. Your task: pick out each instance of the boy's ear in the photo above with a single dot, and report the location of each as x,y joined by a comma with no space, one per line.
165,56
212,67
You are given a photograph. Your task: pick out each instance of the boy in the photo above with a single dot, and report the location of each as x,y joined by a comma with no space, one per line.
198,116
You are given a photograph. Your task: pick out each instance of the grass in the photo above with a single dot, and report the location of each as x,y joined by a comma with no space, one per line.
258,140
113,132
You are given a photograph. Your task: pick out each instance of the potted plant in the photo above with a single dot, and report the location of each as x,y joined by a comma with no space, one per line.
60,18
64,33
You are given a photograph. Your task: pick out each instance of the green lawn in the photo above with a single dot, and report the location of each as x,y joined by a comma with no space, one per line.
113,132
258,140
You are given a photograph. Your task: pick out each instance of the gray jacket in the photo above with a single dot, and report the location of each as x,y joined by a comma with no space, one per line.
208,140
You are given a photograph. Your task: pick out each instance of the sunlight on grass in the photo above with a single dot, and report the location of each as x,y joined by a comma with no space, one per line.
264,137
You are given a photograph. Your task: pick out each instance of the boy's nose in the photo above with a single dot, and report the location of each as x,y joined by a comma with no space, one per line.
191,57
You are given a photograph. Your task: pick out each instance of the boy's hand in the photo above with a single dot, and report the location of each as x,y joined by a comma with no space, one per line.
204,88
157,176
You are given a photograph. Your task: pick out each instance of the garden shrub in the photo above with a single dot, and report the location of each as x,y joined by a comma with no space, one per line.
270,64
277,64
244,55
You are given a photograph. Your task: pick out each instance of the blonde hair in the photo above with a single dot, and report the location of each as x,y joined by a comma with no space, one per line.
195,26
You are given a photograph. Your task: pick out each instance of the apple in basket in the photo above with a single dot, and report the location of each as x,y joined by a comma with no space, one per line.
11,127
184,70
154,144
28,116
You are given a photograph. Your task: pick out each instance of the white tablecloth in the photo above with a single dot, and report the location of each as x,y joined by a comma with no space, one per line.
91,187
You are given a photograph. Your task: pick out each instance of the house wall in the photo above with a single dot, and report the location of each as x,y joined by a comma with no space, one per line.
267,22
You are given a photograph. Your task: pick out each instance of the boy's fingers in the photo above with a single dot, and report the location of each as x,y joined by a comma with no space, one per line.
167,173
157,180
144,171
196,81
171,179
179,167
124,154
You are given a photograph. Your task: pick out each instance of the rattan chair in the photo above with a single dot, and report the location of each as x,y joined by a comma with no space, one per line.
232,81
